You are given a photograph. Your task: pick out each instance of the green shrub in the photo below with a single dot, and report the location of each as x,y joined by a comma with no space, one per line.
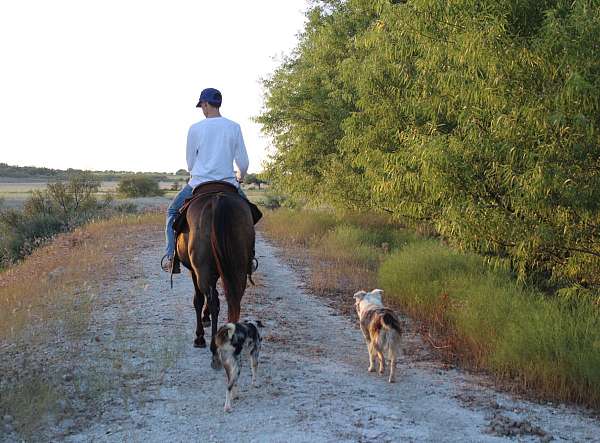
22,233
141,186
272,201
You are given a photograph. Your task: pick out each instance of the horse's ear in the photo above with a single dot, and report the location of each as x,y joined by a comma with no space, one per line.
359,295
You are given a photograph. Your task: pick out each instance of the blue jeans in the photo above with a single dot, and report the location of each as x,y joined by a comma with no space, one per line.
172,212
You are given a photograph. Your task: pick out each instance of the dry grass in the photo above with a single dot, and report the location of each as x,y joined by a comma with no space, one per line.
341,253
47,300
63,276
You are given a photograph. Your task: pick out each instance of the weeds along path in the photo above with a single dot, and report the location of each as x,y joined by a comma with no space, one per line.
149,384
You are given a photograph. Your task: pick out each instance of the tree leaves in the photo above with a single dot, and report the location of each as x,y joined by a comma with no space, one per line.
479,117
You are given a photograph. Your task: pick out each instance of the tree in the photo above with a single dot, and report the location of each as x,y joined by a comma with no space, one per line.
73,199
139,186
254,179
478,118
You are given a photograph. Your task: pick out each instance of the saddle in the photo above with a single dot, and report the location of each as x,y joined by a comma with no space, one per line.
206,190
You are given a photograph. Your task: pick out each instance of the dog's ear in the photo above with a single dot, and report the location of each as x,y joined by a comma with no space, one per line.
230,330
360,295
378,293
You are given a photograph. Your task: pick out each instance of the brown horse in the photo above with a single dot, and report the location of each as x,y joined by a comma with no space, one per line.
218,244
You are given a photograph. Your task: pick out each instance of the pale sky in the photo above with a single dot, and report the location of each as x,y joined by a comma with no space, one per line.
113,84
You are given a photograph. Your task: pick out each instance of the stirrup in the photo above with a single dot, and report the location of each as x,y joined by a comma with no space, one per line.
173,269
254,264
163,265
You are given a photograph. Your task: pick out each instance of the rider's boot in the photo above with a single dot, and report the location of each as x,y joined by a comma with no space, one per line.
167,263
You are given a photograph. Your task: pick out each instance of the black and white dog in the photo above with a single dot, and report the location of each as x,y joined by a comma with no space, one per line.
232,339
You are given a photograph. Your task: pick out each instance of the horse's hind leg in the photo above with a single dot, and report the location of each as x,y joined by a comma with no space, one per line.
213,304
206,313
199,341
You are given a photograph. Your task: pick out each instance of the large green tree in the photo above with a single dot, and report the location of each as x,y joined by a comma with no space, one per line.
479,117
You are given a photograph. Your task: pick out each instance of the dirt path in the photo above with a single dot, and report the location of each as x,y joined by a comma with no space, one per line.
314,383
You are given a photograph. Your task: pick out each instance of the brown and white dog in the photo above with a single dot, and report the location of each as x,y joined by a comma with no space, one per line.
381,329
232,340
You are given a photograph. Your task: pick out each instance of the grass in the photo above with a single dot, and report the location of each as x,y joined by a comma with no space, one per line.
345,250
65,273
30,401
472,309
491,322
49,298
296,228
256,196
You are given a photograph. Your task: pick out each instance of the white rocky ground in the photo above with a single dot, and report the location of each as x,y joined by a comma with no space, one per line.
153,386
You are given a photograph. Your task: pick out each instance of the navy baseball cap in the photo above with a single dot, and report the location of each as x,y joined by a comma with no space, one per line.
210,95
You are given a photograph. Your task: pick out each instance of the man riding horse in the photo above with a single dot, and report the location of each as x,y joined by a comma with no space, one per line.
216,226
213,144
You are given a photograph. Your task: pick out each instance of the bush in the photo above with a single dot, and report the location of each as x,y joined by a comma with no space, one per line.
272,201
139,187
61,207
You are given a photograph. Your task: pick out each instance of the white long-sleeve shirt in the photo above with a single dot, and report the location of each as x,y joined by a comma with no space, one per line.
213,144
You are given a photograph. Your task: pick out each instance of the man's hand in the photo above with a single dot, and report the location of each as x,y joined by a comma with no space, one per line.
238,176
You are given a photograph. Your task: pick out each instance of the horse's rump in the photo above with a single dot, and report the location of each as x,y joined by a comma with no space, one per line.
207,190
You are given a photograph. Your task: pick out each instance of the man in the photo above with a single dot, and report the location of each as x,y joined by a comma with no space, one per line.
213,144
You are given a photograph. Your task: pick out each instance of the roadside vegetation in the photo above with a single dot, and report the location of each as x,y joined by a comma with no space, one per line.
480,119
46,303
61,207
472,309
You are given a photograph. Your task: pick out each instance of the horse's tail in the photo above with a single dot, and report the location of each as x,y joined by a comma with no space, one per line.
220,235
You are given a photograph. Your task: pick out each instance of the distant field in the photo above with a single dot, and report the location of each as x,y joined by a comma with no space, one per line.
14,192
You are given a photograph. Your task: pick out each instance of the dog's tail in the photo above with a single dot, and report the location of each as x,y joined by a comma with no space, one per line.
389,321
224,334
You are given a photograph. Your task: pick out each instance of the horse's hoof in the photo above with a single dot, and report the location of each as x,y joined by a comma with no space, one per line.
206,323
215,364
200,343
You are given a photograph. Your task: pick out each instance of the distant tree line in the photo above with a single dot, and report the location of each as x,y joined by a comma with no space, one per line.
480,119
64,174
